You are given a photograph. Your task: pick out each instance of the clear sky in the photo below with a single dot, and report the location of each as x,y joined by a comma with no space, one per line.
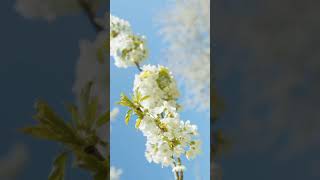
128,144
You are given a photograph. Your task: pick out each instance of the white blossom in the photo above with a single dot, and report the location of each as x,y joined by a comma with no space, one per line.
194,150
156,82
90,68
118,26
126,48
115,173
168,137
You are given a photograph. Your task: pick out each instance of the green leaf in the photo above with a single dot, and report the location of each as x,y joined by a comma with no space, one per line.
89,106
137,96
102,171
138,122
125,101
85,96
101,175
58,170
52,127
41,132
144,98
100,55
103,119
50,119
73,110
164,78
91,112
139,113
128,116
90,162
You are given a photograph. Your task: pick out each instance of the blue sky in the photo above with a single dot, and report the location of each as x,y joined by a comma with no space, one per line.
128,144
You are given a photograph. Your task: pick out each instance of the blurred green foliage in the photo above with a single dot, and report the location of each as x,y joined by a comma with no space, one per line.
78,136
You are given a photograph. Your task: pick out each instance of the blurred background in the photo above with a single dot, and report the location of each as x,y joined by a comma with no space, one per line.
267,68
40,50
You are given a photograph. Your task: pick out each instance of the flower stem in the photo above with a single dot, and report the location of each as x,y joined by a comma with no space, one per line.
138,66
181,172
176,173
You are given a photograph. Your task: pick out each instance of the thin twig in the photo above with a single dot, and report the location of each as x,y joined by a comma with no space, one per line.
85,5
138,66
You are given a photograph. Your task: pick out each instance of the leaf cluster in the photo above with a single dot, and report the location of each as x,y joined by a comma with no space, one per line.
134,106
78,136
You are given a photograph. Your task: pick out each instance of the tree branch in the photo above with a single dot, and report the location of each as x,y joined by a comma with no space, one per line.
94,151
87,8
85,5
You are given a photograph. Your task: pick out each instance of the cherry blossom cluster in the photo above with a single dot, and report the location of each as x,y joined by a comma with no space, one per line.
126,48
168,137
158,83
154,101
